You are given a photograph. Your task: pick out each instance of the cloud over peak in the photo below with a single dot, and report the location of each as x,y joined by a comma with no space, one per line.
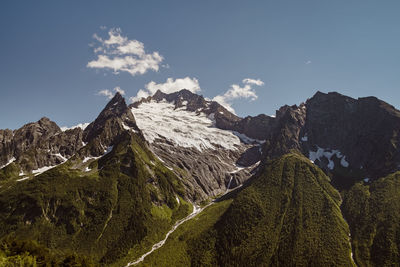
169,86
109,94
119,54
236,91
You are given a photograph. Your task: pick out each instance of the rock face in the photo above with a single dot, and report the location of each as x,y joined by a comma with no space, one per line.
43,143
39,144
113,120
257,127
284,134
350,138
365,130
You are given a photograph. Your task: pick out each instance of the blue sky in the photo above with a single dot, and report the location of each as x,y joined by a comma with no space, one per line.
294,47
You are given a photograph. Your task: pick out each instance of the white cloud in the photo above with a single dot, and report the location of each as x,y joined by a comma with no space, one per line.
170,86
118,53
257,82
236,92
107,93
141,94
119,90
308,62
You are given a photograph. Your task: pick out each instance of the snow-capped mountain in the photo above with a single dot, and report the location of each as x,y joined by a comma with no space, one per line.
182,129
320,181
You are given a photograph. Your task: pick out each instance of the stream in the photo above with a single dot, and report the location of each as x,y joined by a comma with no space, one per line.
196,210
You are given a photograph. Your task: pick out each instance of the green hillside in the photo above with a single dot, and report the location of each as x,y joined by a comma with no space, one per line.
288,216
127,200
373,214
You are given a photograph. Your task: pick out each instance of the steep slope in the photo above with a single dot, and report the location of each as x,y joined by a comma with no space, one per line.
113,120
288,215
189,134
373,213
111,196
350,139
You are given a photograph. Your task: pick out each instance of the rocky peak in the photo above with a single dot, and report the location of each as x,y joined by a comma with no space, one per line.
349,138
115,108
285,131
30,134
112,121
38,144
184,97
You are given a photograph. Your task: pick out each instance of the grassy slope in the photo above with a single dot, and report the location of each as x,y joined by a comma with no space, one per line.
102,213
373,214
287,216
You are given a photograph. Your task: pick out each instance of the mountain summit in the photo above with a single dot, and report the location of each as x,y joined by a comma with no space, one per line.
113,120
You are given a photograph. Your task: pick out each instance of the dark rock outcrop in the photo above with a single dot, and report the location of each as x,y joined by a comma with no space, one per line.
39,144
113,120
365,130
284,135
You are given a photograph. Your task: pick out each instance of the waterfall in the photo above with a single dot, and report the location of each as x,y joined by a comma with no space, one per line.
229,184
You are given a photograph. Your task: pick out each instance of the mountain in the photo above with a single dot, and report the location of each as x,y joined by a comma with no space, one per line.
288,216
351,139
180,176
209,153
110,196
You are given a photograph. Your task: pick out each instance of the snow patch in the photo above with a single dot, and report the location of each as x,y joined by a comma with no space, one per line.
64,159
87,169
108,150
86,159
327,153
8,163
42,170
304,138
247,139
182,127
23,179
344,163
160,159
125,127
238,169
80,125
229,183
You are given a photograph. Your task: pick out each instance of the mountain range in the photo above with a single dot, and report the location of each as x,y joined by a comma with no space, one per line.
178,180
